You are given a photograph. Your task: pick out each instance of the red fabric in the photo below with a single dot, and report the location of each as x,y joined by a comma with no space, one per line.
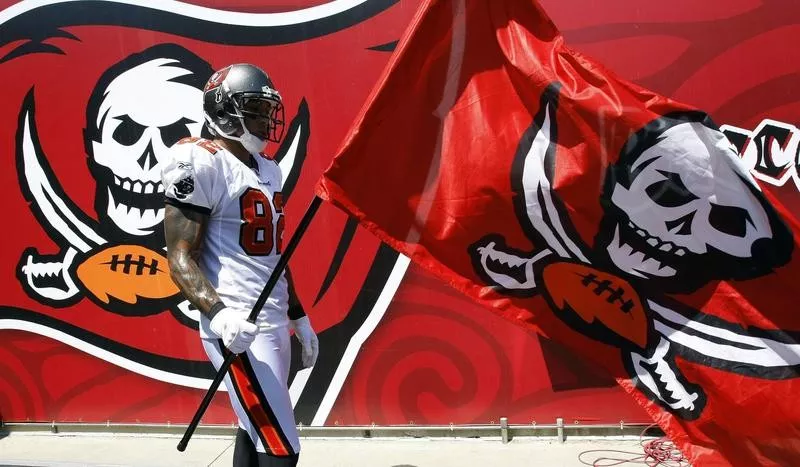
429,167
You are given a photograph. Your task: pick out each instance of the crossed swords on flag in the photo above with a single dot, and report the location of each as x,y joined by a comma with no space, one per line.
694,336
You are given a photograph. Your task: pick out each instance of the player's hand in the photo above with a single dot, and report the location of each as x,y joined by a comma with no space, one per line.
308,340
233,328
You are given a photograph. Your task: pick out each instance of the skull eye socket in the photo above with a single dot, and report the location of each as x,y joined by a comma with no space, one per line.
671,192
174,132
731,220
127,132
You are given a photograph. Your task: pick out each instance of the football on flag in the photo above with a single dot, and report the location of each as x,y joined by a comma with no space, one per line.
597,296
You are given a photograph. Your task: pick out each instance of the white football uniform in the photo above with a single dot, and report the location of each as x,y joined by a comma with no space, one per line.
240,249
245,207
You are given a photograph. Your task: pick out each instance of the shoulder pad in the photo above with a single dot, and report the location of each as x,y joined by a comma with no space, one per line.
206,144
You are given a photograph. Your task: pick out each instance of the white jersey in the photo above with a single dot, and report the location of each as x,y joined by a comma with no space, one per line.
242,243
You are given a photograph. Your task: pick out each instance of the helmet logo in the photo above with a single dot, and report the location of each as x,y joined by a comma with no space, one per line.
217,79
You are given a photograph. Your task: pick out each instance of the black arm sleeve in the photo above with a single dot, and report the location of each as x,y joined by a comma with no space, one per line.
296,310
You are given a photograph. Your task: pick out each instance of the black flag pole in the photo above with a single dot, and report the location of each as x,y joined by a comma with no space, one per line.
273,279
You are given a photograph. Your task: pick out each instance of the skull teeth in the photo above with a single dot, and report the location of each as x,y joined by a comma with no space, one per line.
643,260
657,242
138,186
132,219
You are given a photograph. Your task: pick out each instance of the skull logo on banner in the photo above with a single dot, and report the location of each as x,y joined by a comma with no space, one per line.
146,97
679,210
128,133
126,137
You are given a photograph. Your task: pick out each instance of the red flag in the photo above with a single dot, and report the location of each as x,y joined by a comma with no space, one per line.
584,207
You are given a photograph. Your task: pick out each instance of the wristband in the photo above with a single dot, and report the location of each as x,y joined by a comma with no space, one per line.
215,308
295,312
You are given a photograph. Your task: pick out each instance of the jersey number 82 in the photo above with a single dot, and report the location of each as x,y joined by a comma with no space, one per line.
257,236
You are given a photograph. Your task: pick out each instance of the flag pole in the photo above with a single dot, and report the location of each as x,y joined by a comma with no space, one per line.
271,282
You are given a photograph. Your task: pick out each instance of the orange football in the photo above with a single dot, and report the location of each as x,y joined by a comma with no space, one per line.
596,295
126,272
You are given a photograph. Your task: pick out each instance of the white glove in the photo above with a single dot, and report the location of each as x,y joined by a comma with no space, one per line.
233,328
308,340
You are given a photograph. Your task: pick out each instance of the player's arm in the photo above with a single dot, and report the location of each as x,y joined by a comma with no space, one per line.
183,231
301,325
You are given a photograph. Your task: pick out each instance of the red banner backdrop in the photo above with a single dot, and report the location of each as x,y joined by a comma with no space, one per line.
92,331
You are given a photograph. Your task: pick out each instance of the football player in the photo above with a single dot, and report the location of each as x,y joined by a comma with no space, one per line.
223,225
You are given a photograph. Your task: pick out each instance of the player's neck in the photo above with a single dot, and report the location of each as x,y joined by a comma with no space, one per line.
235,148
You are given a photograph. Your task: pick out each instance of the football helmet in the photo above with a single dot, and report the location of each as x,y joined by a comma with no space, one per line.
240,94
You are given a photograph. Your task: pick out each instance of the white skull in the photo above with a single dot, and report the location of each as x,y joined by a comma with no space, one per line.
687,193
139,108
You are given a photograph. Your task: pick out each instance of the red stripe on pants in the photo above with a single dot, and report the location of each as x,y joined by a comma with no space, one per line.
253,407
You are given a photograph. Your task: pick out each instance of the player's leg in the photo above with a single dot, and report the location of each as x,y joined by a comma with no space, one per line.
278,361
266,460
269,358
244,451
245,454
260,395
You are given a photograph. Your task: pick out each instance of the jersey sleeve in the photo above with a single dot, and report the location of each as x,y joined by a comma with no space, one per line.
189,179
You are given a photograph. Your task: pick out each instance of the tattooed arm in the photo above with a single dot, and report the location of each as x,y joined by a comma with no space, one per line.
184,230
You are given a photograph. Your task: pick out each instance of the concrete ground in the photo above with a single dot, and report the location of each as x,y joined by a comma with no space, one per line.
61,450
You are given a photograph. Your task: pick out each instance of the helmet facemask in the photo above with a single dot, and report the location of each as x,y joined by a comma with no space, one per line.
250,109
257,106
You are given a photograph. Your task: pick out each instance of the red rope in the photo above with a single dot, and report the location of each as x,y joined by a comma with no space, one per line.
659,452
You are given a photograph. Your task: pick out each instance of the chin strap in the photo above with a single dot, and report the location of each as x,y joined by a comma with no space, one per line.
251,142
